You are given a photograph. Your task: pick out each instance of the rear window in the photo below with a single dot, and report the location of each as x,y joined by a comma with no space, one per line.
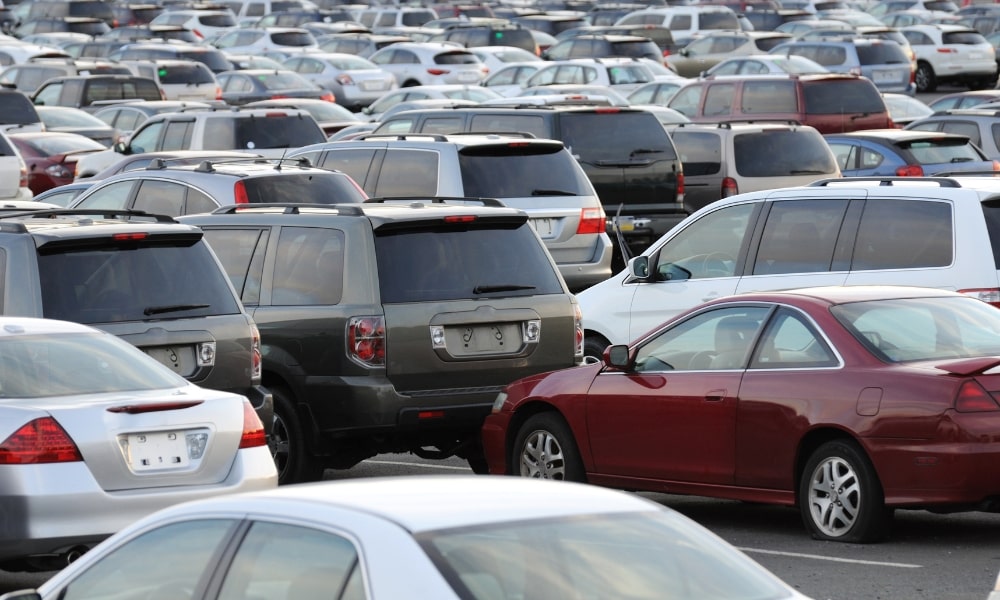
700,152
842,96
293,38
186,74
455,58
16,108
782,152
98,10
881,54
316,187
135,282
416,18
615,136
502,171
214,59
261,132
99,90
461,262
518,38
991,211
963,37
637,49
943,151
718,20
218,20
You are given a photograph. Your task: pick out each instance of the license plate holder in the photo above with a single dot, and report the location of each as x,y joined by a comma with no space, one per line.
493,338
543,227
179,359
156,451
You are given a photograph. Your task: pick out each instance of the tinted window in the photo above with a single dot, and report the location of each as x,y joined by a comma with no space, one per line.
455,58
800,237
532,124
781,152
991,210
700,152
309,267
115,282
880,54
214,60
316,187
16,108
521,172
462,263
963,37
293,38
904,234
408,173
716,20
269,132
719,234
597,136
218,20
185,74
641,49
769,97
842,96
237,251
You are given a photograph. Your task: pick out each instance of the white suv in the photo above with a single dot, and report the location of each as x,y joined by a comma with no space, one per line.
427,63
951,53
13,172
935,232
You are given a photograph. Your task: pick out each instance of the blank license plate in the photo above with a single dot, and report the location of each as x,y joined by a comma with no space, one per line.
157,451
543,227
500,338
885,76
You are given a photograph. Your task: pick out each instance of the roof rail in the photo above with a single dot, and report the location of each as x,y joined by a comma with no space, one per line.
435,200
518,134
100,212
291,208
436,137
887,181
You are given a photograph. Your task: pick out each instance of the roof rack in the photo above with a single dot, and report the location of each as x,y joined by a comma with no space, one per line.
18,227
975,173
435,200
290,208
887,181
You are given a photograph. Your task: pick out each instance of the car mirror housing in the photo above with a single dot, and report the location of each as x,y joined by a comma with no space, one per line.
639,267
618,356
120,147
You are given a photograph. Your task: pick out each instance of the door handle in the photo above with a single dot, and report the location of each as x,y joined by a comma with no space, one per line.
715,395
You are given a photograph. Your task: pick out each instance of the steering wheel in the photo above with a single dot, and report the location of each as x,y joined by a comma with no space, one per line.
714,264
701,360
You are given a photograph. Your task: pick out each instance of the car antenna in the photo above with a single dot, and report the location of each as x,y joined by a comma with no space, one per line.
626,254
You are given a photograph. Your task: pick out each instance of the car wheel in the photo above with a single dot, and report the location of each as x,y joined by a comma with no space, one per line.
545,449
925,79
593,348
840,496
292,458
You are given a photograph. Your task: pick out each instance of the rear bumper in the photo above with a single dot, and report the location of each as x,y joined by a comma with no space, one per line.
582,275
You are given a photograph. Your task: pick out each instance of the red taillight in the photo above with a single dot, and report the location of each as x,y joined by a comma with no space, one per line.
256,361
328,97
438,71
129,237
253,429
40,441
344,79
910,171
279,97
23,179
461,219
996,165
680,188
366,340
198,33
947,50
218,93
973,398
240,193
987,295
729,187
592,220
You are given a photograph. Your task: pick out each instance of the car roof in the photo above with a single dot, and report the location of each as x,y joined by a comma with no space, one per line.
896,135
849,293
436,501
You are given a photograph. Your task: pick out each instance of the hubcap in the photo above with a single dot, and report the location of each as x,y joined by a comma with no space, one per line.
279,444
542,457
834,497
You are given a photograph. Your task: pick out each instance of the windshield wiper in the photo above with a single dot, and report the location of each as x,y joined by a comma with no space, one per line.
959,159
639,151
506,287
553,193
159,310
806,172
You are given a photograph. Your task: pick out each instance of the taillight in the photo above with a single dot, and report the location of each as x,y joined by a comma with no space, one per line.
996,165
729,187
680,188
855,71
578,328
279,97
328,97
972,397
438,71
218,93
255,356
366,341
987,295
592,220
198,33
910,171
40,441
240,193
947,50
253,429
23,177
344,79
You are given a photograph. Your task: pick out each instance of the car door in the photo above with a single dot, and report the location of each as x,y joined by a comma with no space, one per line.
674,416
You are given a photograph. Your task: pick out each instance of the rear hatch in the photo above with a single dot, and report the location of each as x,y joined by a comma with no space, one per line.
835,105
463,319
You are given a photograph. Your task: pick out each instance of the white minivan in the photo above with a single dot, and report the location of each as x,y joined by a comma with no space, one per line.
941,232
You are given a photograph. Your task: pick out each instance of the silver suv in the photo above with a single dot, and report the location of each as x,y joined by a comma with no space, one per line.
534,175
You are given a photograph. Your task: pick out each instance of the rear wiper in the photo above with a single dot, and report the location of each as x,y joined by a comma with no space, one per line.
553,193
639,151
507,287
806,172
959,159
159,310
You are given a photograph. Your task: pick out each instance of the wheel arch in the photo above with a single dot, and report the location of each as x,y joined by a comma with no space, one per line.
811,441
523,413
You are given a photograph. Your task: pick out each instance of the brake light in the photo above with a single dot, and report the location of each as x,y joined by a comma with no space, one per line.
578,328
198,33
947,50
256,360
910,171
253,430
972,397
680,188
279,97
592,220
218,93
437,71
40,441
344,79
366,340
129,237
987,295
22,180
729,187
607,109
461,219
996,165
240,193
328,97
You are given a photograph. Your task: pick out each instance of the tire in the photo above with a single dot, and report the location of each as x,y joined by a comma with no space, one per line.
292,458
840,496
593,347
545,449
925,79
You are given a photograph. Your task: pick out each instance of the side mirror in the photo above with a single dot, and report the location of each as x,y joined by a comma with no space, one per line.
367,110
120,147
639,267
684,52
618,356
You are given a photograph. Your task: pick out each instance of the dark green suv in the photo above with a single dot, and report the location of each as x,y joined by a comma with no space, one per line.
392,326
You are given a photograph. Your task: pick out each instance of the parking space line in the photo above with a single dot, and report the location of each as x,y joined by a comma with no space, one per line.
832,558
409,464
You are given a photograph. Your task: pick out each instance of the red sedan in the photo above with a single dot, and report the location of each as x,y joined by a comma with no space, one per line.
51,156
848,402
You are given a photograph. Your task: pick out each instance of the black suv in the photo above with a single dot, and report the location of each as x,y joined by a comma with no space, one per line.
625,152
392,327
153,282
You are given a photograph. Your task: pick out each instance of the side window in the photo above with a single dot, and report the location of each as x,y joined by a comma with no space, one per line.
719,99
904,234
276,560
970,130
127,574
562,51
800,237
687,100
709,247
198,202
870,159
160,197
49,95
844,154
790,342
309,267
146,138
769,97
177,136
713,340
241,252
408,173
219,134
255,9
442,125
680,22
544,77
356,162
114,196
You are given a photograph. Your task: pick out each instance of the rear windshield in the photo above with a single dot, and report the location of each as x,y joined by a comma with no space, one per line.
187,74
637,49
963,37
262,132
461,262
15,108
944,151
293,38
700,152
316,187
501,171
842,96
718,20
134,282
416,18
781,153
218,20
518,38
455,58
615,136
882,54
214,59
99,10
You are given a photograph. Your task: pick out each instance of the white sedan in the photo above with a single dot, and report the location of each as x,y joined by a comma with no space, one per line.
449,537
